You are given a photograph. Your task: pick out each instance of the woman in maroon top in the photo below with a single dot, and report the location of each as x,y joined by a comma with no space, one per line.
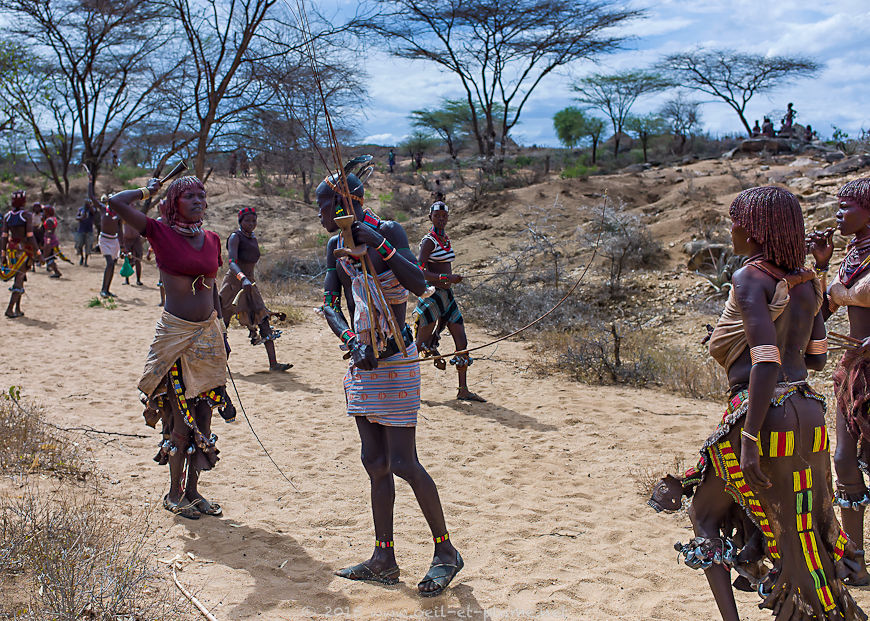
184,374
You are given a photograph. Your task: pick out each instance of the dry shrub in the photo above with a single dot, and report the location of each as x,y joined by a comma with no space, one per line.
73,557
282,266
610,354
283,297
28,444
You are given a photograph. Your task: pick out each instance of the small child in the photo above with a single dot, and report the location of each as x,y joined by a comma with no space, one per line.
50,243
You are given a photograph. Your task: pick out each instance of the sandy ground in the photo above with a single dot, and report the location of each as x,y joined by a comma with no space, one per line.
539,486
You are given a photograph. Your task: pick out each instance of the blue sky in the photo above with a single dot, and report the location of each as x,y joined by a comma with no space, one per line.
833,32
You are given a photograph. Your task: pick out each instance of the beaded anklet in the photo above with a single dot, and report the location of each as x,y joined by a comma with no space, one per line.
384,544
442,538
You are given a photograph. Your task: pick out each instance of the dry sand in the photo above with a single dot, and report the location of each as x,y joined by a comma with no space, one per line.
540,485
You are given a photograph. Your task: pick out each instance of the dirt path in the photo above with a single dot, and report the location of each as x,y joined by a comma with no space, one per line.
539,485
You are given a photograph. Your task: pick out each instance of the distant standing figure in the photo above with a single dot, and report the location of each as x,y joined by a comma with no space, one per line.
109,240
115,161
134,248
234,160
50,244
767,128
85,218
391,160
809,133
788,119
756,129
418,160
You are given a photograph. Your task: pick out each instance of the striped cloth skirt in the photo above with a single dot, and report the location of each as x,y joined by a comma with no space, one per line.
388,396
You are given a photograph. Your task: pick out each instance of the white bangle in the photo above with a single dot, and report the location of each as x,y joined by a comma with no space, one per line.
746,434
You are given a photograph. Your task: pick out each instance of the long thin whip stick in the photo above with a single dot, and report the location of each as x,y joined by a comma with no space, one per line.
260,442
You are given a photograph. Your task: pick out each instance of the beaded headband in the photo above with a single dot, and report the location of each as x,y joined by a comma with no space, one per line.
438,206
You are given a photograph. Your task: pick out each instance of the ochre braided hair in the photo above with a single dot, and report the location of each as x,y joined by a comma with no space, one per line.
169,205
858,189
772,217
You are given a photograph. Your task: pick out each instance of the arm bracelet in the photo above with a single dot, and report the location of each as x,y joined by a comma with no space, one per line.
347,336
240,276
330,299
764,353
746,434
386,249
146,193
817,347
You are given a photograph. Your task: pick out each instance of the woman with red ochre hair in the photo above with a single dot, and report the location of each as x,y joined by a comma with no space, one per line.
851,288
185,372
762,486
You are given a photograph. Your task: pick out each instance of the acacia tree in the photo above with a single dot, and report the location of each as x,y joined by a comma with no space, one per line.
49,124
103,55
683,115
218,38
735,77
450,121
615,94
8,61
292,127
572,125
499,51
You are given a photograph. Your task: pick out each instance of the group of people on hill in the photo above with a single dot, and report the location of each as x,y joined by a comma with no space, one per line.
762,493
786,130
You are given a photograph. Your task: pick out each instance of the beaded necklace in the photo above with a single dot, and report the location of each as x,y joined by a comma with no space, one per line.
445,245
854,264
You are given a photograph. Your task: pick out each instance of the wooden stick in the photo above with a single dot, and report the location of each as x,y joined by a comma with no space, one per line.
202,609
843,337
394,322
372,328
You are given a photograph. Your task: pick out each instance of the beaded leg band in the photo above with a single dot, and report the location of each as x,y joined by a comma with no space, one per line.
442,538
384,544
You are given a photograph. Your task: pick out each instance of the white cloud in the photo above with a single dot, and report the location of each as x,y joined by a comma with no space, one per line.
381,139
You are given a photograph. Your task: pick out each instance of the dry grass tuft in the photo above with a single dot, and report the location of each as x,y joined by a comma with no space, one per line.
67,555
28,445
599,353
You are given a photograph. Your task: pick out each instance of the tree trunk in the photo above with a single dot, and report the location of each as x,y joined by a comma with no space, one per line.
594,149
615,145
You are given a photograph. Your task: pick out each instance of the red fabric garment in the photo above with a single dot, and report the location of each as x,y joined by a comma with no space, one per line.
175,255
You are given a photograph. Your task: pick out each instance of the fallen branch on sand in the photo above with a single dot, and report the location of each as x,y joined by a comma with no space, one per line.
193,600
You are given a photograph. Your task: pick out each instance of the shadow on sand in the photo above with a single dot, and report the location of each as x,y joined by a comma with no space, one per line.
502,415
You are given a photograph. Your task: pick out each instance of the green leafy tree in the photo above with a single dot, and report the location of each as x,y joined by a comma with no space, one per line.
573,125
570,126
615,94
735,77
645,127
